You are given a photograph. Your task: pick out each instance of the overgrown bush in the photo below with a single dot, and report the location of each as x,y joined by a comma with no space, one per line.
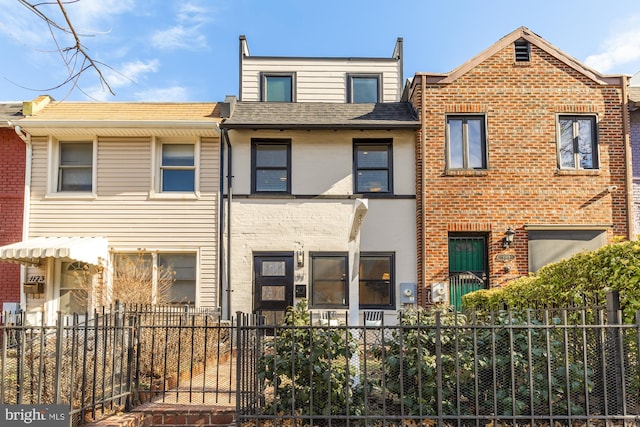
309,369
521,370
580,279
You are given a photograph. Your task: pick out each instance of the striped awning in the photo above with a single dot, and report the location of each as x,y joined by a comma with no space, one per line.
90,250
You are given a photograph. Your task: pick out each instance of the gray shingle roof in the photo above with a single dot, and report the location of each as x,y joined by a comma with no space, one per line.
316,115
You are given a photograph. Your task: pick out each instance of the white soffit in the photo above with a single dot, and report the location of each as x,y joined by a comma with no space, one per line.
90,250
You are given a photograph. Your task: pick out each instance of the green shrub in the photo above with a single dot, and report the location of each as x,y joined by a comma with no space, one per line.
309,368
580,279
522,370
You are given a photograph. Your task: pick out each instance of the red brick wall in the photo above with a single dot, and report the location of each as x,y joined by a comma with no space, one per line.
522,184
12,172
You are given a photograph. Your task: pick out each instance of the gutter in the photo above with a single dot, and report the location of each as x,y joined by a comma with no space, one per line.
113,124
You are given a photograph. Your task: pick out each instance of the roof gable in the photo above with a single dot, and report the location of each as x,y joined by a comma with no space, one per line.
534,39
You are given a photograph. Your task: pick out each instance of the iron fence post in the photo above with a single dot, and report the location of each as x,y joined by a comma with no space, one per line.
58,376
131,345
613,343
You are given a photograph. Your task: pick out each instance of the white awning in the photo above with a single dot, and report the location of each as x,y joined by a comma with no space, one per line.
91,250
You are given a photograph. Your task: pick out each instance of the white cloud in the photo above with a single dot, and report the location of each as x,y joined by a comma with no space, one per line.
186,34
89,15
621,48
131,73
168,94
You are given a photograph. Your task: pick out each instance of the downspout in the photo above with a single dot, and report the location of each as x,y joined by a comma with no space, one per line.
421,175
221,228
26,138
225,134
631,234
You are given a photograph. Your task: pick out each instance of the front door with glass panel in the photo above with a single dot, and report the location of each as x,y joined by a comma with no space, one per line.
273,292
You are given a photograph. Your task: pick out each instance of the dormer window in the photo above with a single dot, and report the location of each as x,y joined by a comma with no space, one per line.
278,87
522,50
363,88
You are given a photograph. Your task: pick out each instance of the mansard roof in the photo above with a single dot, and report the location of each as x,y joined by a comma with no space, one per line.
317,115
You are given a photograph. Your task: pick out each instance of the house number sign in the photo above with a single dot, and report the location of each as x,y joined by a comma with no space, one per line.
505,257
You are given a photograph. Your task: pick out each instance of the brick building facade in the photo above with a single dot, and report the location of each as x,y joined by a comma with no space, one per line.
522,138
12,153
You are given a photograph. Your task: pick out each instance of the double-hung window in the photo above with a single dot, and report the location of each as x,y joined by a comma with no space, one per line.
271,166
177,168
156,277
373,162
75,168
278,87
363,88
329,281
377,280
466,142
578,146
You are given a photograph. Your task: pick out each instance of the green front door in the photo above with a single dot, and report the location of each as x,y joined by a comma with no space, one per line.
467,266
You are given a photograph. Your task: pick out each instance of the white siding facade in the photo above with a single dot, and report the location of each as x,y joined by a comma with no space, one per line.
125,209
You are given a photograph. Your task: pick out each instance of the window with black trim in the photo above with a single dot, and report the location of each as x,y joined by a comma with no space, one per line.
271,166
75,168
577,142
329,280
466,142
373,160
377,283
364,88
278,87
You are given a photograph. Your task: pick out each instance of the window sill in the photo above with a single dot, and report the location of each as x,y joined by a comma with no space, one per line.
578,172
176,195
70,195
466,172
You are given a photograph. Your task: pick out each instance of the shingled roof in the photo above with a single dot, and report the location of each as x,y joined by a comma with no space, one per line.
316,115
9,111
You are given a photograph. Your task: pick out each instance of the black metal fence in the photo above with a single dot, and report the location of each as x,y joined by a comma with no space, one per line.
527,367
84,364
531,367
117,358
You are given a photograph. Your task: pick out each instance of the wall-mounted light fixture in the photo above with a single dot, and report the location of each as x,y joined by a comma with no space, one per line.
300,258
507,240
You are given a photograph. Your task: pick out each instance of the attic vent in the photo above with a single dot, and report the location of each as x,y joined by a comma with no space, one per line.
522,50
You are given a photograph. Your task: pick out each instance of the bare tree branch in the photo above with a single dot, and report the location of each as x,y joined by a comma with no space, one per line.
75,56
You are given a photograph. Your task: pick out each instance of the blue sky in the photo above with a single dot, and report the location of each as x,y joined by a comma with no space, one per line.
187,50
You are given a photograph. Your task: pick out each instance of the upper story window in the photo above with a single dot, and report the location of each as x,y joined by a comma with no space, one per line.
271,166
363,88
522,50
373,162
178,167
278,87
466,142
75,167
578,146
